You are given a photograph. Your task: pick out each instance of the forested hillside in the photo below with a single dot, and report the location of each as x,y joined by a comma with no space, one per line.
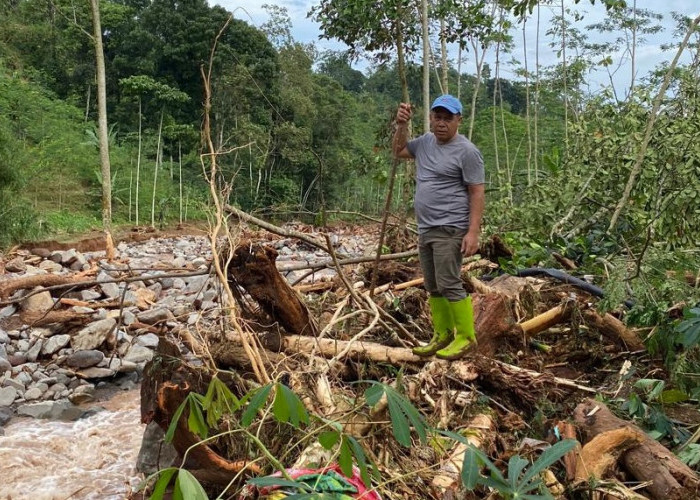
297,123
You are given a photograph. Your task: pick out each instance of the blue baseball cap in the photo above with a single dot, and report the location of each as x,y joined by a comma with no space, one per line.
450,103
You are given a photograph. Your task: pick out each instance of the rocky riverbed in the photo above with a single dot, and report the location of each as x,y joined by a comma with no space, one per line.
54,377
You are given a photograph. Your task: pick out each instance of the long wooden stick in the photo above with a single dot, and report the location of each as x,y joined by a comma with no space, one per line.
240,214
345,262
387,208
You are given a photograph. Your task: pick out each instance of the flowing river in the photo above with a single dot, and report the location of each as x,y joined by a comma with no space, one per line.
91,458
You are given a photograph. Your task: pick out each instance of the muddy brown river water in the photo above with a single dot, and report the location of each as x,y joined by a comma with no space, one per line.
91,458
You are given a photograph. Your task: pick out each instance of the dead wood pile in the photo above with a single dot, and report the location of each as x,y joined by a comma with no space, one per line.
538,341
543,351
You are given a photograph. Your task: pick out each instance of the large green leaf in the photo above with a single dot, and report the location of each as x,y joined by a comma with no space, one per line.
516,465
548,457
361,460
189,487
196,422
170,433
470,469
399,423
345,457
256,402
329,439
164,478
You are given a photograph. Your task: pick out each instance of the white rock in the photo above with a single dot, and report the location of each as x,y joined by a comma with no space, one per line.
33,353
38,303
55,343
33,394
50,266
7,311
95,372
7,396
85,359
89,295
138,354
148,340
93,335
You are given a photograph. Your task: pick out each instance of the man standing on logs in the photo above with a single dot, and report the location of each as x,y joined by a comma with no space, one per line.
449,203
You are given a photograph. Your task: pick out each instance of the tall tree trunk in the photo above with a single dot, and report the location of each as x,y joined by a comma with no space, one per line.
87,103
527,109
426,66
138,165
443,58
179,161
459,71
633,56
155,172
537,96
564,74
102,118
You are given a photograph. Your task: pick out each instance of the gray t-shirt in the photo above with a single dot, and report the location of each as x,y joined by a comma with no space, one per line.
443,172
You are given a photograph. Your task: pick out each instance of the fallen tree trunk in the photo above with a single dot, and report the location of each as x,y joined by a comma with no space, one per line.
330,348
43,280
67,318
545,320
647,460
613,329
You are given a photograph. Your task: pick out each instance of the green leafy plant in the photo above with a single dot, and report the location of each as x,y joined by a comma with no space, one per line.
645,403
403,414
688,330
186,485
690,455
521,482
204,411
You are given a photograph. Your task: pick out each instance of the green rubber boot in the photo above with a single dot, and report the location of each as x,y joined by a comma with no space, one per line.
463,314
443,327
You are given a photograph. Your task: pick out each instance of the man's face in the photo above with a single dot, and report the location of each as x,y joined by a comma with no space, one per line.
444,124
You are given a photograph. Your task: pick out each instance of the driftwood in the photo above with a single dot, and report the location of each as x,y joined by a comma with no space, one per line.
601,453
614,329
647,460
343,262
68,318
545,320
253,268
568,431
330,348
74,281
7,288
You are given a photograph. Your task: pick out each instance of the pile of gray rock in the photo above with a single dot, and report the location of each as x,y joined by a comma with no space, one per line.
46,371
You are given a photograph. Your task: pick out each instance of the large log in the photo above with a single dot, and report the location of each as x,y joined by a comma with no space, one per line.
613,329
649,460
361,350
43,280
252,266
